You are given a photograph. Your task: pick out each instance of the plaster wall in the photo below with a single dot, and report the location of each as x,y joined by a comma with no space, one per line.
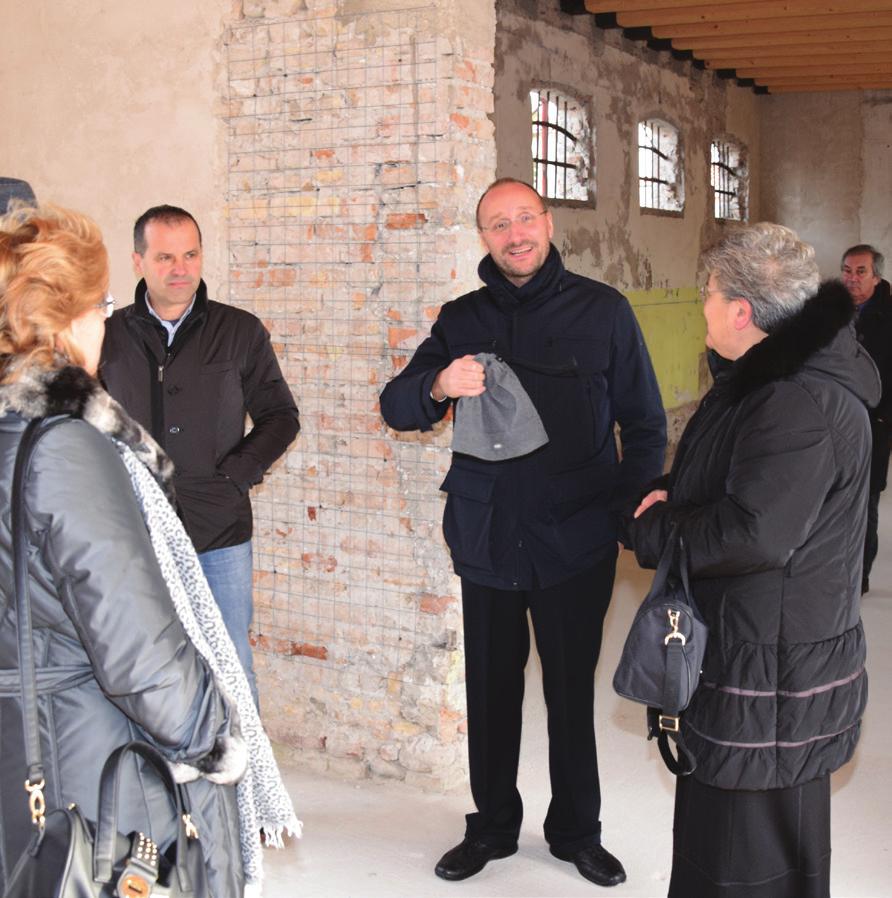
830,158
652,257
110,108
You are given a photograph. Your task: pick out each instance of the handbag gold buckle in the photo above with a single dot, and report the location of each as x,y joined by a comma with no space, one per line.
134,886
668,723
675,633
36,802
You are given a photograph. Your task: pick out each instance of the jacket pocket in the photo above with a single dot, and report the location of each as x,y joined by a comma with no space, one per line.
467,519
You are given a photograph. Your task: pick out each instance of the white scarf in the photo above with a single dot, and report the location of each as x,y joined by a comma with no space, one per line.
263,803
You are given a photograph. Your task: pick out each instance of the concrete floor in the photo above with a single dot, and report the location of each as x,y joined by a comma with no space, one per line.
378,840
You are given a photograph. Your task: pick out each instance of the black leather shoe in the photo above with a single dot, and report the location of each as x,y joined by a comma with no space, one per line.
469,857
596,864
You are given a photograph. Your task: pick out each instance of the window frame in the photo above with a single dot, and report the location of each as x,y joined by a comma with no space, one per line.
673,156
740,175
585,140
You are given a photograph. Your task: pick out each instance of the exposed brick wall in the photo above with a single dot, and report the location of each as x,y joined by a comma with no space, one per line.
359,141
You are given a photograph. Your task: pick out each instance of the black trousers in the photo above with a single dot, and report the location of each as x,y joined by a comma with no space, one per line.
736,844
567,622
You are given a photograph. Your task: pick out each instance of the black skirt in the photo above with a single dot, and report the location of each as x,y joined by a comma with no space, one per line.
736,844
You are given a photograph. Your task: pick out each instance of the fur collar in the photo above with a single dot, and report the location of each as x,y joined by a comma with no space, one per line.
787,348
69,390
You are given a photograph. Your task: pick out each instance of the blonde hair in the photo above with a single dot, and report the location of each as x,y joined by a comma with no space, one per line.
53,268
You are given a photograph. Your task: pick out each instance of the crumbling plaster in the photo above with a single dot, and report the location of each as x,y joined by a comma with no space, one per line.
650,256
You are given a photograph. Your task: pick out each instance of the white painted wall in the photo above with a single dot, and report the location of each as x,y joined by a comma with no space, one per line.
828,164
112,107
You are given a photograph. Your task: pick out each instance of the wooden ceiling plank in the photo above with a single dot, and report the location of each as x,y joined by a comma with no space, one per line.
826,88
783,38
826,51
752,9
768,80
884,68
817,61
612,6
830,24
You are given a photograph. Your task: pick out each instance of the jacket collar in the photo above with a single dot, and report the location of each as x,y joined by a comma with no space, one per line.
140,307
818,336
541,287
69,390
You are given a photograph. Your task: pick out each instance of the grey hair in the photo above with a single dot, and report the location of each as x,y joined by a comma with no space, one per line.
861,249
768,265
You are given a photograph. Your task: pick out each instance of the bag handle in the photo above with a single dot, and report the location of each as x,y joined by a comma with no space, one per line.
107,824
36,782
674,550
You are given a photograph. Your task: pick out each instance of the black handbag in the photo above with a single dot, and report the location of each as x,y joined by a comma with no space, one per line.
68,856
663,654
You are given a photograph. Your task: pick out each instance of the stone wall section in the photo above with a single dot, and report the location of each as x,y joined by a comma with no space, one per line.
359,140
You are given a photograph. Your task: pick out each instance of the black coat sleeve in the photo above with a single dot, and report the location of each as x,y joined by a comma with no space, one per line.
638,409
406,403
781,468
274,416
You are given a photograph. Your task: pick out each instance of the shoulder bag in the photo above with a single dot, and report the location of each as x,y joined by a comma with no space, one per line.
69,856
663,653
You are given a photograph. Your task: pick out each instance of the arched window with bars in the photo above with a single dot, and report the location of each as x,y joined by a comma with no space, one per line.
728,177
660,172
561,147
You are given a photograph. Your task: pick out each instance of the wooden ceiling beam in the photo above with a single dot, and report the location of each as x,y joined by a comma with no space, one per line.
769,80
837,71
825,88
764,10
612,6
783,38
825,51
830,24
835,63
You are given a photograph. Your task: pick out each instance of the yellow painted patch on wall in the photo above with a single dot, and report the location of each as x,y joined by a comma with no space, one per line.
674,330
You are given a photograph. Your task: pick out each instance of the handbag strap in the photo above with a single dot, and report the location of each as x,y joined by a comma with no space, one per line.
35,782
682,765
664,723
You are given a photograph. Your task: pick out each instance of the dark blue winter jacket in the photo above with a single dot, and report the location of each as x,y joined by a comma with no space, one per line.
575,345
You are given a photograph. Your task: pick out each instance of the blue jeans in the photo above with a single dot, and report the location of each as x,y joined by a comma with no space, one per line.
230,574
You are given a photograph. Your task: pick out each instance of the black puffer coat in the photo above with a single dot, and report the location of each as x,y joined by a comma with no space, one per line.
113,661
769,488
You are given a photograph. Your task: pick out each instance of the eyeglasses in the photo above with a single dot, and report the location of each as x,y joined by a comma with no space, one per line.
705,292
107,305
525,220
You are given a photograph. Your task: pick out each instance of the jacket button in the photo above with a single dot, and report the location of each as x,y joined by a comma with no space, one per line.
173,429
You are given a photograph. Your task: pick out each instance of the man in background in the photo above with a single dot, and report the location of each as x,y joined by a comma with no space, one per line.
862,274
189,370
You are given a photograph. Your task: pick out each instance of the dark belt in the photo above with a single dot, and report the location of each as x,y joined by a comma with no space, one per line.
49,679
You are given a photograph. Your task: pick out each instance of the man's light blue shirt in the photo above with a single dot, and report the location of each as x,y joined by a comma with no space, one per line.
170,326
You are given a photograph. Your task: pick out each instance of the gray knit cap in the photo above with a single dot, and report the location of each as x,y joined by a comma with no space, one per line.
502,421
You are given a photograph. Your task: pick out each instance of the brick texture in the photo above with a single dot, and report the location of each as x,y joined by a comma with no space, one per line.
358,144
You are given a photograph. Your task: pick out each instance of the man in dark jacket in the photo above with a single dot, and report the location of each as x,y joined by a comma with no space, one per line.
189,370
536,532
862,273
